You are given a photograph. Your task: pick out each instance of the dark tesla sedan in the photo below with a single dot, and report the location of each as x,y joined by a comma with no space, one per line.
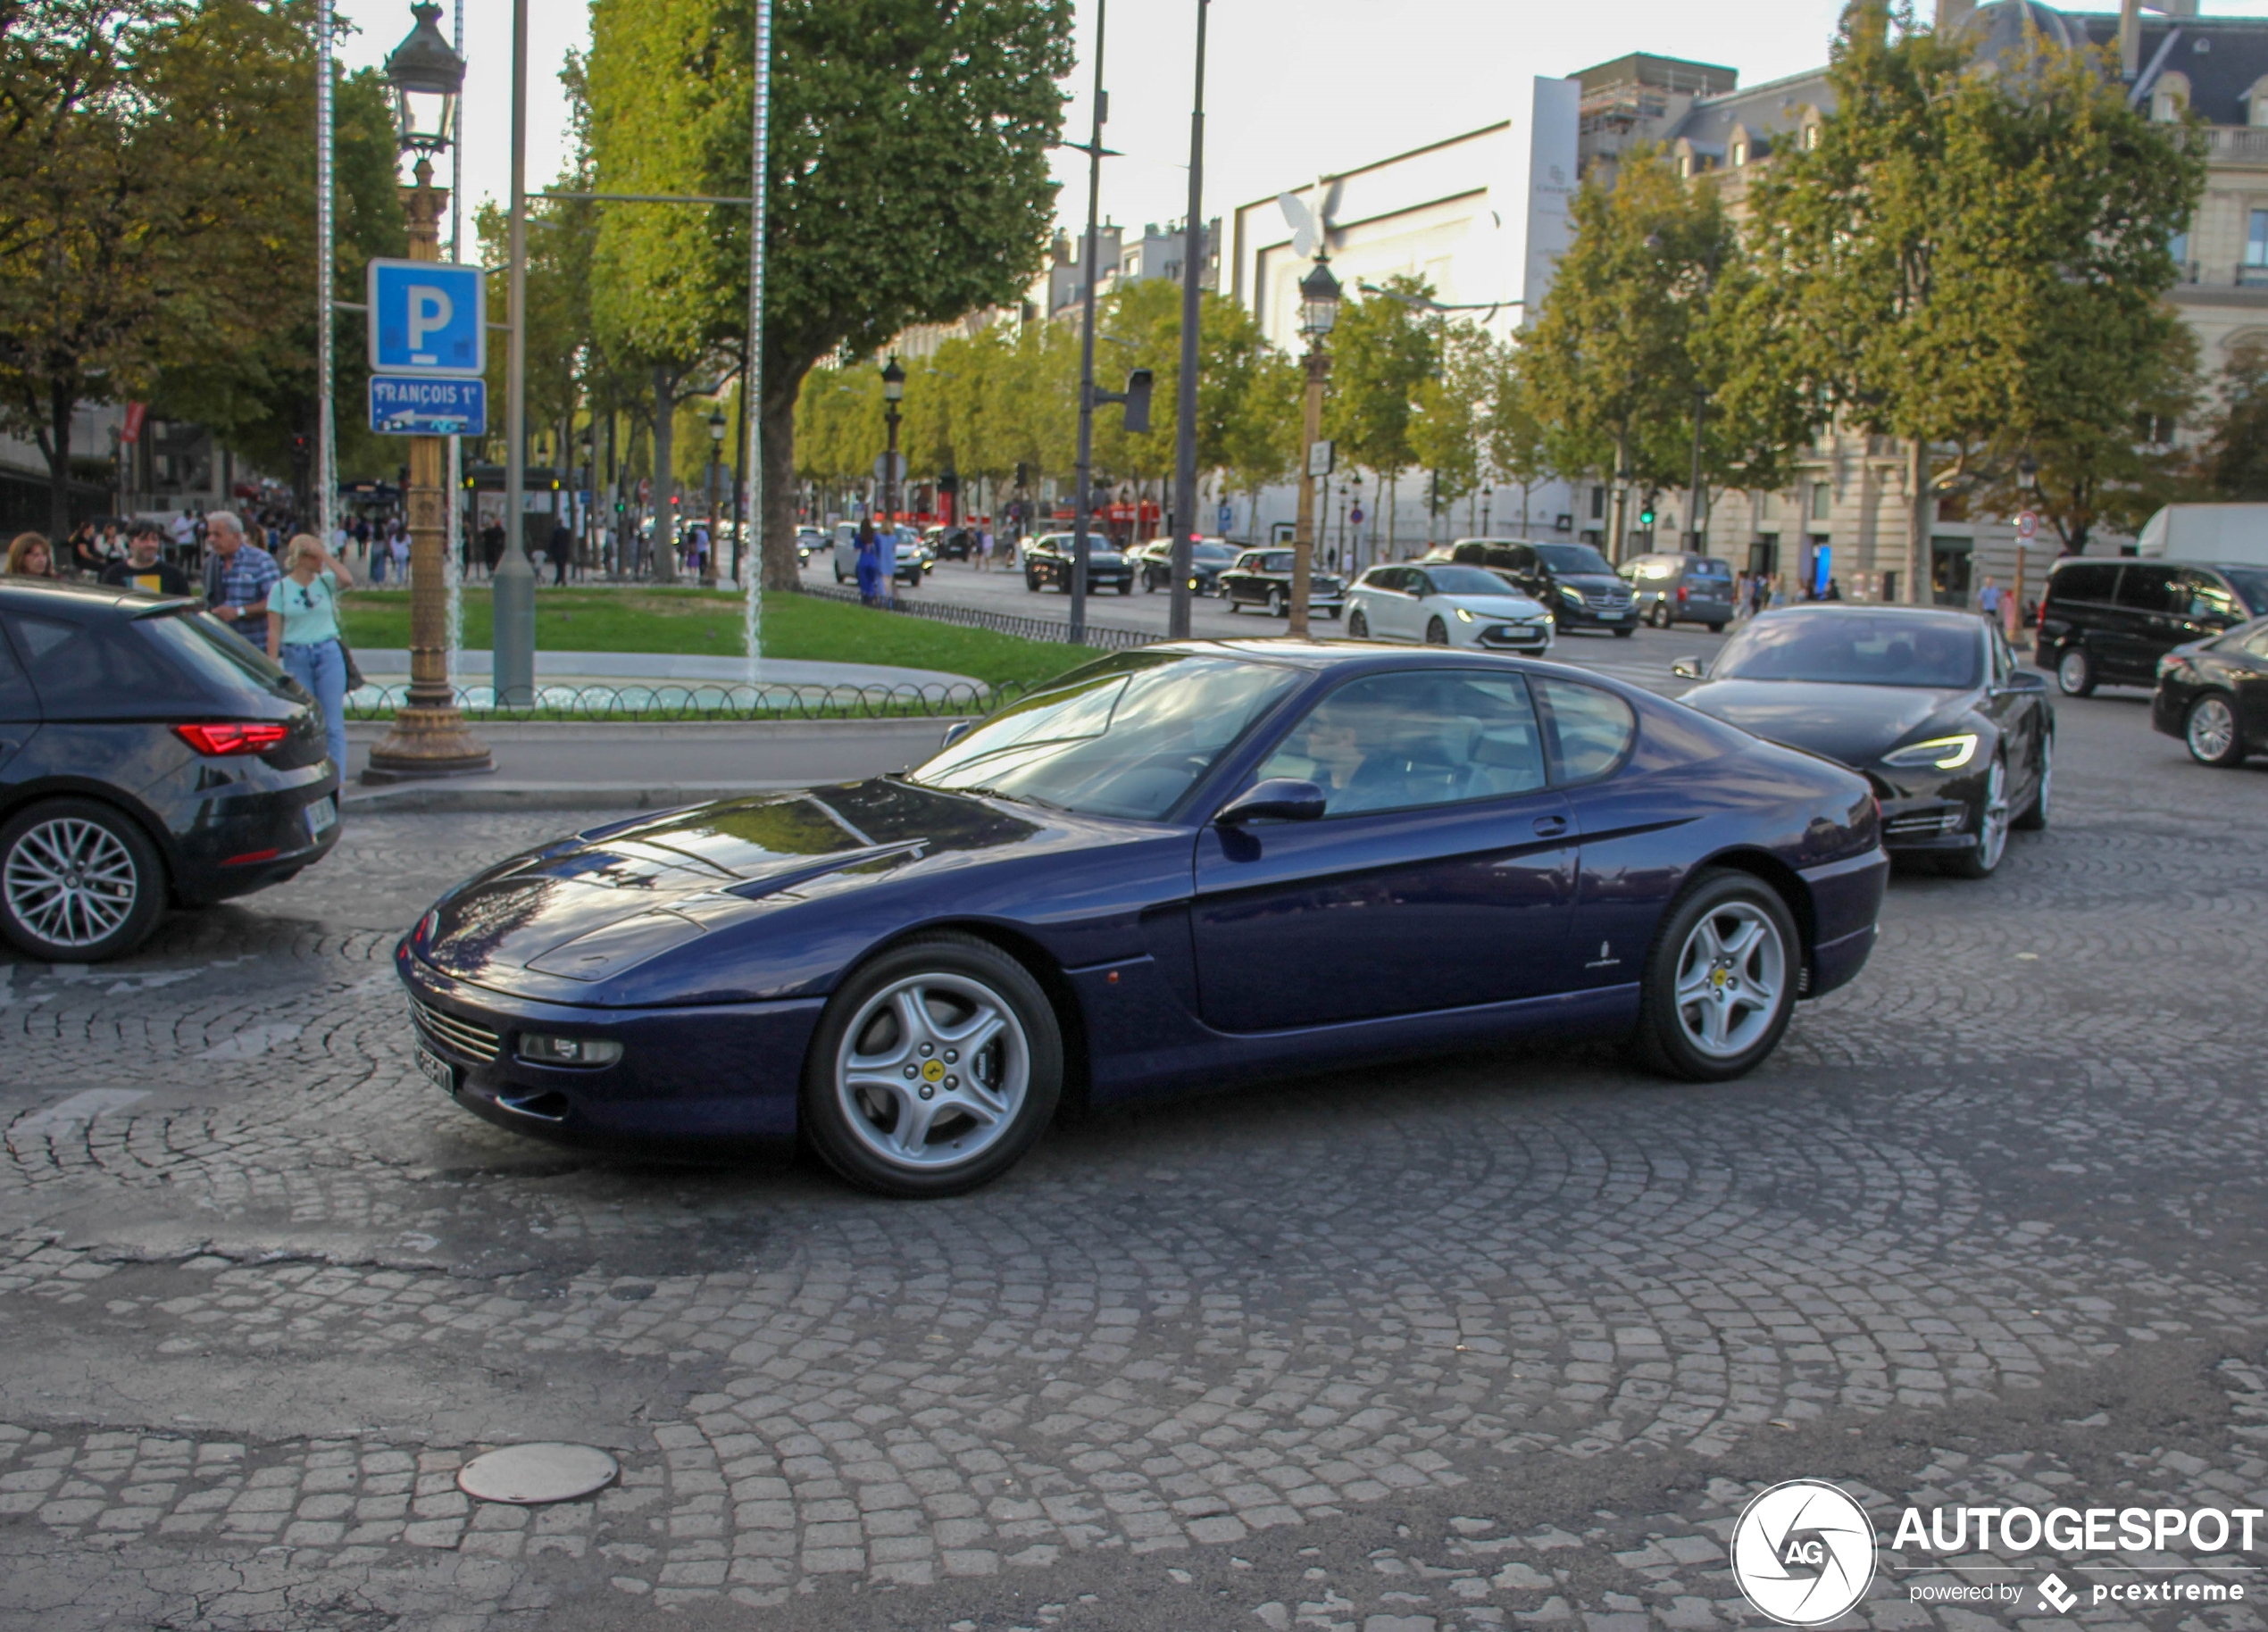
2213,695
1929,706
147,756
1178,868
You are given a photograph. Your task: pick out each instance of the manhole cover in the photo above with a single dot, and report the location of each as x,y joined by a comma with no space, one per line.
532,1475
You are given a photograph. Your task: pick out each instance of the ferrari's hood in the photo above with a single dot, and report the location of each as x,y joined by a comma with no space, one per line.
1855,724
589,907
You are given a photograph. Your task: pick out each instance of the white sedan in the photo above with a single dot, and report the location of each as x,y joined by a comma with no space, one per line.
1445,605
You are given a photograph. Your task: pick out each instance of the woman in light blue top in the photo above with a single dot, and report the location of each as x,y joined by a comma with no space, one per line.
303,632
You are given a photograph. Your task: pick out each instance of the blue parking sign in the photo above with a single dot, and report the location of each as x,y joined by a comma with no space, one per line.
426,407
428,318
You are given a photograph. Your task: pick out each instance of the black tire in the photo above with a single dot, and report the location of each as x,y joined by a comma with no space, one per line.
1279,604
1334,612
1717,629
1032,583
1126,585
1150,584
2075,674
1437,633
1234,605
2210,731
117,914
1982,860
2033,817
1718,896
826,1121
838,575
1358,627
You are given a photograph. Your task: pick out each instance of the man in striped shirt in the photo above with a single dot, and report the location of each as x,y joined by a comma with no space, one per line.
244,574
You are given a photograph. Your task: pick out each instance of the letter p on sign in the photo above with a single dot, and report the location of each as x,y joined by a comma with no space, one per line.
431,309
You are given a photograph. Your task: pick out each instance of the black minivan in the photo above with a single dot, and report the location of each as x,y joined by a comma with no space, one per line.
148,757
2106,622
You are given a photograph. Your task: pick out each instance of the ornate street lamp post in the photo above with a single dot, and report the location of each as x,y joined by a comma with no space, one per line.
428,739
1319,294
892,393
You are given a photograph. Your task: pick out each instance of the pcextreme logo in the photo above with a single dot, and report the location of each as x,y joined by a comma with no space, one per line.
1804,1553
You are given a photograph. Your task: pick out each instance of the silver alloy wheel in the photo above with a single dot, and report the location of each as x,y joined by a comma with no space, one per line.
2211,728
70,882
1731,973
2071,671
1992,819
932,1070
2046,780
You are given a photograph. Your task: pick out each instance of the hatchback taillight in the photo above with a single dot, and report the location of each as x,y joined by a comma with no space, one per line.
232,737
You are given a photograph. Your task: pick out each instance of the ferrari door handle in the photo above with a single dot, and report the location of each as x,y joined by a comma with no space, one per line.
1551,827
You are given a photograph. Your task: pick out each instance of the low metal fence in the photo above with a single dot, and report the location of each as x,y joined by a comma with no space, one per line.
660,701
1103,637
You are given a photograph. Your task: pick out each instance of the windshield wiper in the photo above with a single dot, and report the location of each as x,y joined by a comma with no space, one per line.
1002,793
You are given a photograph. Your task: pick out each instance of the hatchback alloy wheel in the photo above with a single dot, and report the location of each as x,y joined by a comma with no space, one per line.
77,883
2211,731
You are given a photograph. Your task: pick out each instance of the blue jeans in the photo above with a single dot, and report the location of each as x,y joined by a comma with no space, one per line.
322,669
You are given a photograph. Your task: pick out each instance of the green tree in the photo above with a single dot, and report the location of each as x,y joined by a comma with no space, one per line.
1613,365
1515,435
1972,256
1448,425
2234,459
1383,352
908,179
156,201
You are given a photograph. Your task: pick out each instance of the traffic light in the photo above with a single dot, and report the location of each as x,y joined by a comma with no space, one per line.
1646,517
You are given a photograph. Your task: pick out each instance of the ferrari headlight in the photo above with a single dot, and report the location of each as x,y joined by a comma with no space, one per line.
1943,753
1464,616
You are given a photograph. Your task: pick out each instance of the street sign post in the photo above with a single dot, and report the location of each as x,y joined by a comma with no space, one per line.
415,407
1320,454
890,467
1226,517
427,319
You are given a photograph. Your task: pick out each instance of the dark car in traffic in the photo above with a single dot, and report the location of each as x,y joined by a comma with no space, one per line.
1573,580
1674,586
1047,564
1179,867
1208,559
148,757
2213,695
1929,706
2108,622
1263,578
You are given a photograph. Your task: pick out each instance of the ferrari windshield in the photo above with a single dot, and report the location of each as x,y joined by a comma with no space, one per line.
1125,737
1854,648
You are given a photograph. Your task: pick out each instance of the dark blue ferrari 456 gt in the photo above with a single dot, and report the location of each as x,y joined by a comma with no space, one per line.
1179,868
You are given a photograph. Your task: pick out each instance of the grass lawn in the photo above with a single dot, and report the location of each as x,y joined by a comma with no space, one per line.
707,622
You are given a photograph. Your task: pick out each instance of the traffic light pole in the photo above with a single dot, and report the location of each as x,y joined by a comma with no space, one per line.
1184,449
1085,466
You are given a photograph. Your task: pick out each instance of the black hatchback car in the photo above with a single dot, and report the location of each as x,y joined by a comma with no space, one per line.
2108,622
148,757
2213,695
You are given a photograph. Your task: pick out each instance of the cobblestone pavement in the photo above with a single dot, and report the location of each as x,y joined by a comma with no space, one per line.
1497,1342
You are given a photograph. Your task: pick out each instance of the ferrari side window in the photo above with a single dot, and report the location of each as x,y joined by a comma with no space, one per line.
1590,729
1399,741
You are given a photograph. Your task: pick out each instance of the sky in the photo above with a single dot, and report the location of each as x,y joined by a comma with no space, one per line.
1295,88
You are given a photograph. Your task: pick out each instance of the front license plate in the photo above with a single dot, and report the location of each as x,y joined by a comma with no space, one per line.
323,816
438,1072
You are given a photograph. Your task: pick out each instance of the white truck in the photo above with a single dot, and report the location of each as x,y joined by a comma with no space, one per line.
2236,534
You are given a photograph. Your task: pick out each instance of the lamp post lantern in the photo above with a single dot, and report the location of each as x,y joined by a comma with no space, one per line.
429,738
892,393
716,448
1319,294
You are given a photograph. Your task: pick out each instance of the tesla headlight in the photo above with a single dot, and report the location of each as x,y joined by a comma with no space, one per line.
1464,616
1943,753
1572,593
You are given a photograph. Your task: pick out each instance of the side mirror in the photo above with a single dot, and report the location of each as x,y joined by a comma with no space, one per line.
954,732
1283,798
1689,669
2027,679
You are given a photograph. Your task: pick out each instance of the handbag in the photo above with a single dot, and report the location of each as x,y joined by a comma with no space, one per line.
354,681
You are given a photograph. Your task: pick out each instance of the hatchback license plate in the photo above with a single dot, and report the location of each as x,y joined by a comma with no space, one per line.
323,816
438,1072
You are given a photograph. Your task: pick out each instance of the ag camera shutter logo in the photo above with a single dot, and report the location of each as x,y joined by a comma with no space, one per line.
1804,1553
